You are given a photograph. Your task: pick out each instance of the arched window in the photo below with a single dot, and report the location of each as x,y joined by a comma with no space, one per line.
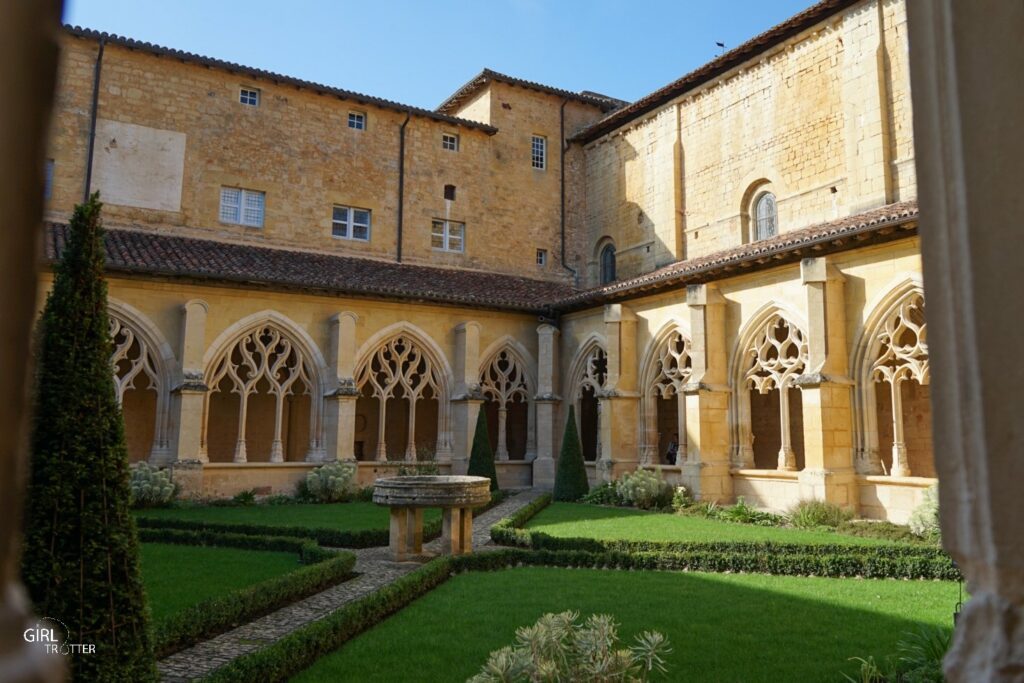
608,264
766,217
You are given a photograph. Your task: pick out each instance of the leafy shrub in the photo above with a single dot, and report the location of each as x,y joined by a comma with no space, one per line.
571,474
559,647
481,457
816,513
918,659
605,493
681,499
746,514
924,520
644,489
247,497
151,487
883,530
331,483
279,499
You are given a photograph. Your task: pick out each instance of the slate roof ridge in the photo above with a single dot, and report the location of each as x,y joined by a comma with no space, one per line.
470,88
191,57
722,64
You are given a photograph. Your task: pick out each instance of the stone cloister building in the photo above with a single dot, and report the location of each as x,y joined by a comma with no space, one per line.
723,278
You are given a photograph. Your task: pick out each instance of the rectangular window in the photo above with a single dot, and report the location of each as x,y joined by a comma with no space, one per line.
447,235
48,179
450,142
357,120
539,152
542,257
241,207
249,96
350,223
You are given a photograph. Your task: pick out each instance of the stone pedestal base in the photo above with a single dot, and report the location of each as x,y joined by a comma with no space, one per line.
457,531
836,487
406,539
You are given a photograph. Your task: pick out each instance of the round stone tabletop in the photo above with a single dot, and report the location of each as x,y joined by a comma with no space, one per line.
432,491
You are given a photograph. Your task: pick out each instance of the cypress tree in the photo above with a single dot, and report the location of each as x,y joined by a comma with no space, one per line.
571,475
81,555
481,458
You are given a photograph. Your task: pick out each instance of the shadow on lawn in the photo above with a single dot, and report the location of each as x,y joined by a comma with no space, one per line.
722,627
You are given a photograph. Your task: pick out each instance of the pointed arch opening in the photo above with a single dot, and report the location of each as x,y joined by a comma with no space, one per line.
507,386
402,412
768,405
665,370
894,407
265,399
589,373
141,361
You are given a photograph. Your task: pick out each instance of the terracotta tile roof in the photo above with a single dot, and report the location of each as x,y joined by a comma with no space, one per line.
469,90
253,72
148,253
715,68
881,224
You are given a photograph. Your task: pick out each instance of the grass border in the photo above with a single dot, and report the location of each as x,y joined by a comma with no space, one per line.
321,569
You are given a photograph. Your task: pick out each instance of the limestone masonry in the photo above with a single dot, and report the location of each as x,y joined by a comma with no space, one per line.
724,277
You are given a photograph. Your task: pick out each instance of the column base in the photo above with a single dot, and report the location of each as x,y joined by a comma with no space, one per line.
832,486
544,473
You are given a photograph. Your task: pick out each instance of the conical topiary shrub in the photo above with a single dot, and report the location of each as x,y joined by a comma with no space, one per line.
571,475
81,556
481,458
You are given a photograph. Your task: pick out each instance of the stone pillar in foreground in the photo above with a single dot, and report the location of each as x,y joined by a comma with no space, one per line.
966,61
546,404
188,407
341,393
467,398
619,400
28,67
826,390
705,465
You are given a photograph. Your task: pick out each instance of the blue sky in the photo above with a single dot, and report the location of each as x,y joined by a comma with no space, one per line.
418,52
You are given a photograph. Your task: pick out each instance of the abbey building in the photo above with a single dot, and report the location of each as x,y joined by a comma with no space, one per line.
722,278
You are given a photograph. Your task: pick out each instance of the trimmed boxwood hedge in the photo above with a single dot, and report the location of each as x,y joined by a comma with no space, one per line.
335,538
322,568
304,646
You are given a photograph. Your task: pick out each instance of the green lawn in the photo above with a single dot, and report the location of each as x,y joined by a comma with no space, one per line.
574,520
337,516
722,627
178,576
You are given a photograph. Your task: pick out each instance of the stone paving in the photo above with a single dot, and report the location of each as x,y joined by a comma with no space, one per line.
375,570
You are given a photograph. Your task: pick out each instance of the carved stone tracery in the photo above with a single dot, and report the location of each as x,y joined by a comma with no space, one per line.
504,382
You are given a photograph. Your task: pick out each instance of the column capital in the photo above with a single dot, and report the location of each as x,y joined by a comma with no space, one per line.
818,269
617,313
703,295
548,330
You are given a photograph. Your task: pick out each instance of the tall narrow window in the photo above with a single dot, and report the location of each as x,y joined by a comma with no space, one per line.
767,216
608,264
350,223
241,207
48,179
539,152
447,235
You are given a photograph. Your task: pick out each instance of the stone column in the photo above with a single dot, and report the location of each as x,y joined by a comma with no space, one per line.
619,400
28,66
188,407
827,391
706,464
546,404
466,395
966,61
341,393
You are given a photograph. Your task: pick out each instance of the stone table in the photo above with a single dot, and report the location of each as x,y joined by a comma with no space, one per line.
407,496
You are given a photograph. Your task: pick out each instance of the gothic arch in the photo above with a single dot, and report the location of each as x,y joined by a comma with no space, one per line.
587,375
403,362
507,373
266,349
142,360
770,353
664,369
898,311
